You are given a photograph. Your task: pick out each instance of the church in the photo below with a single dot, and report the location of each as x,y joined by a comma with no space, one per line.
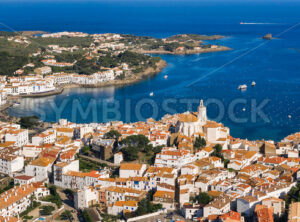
190,123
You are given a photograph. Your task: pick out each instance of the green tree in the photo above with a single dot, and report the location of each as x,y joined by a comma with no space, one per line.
130,153
53,197
203,198
199,142
86,216
226,161
112,134
110,218
292,196
65,215
28,122
47,210
86,150
218,151
157,149
32,198
145,206
139,141
171,46
10,62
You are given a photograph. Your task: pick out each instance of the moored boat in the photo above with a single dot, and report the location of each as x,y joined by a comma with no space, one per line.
242,87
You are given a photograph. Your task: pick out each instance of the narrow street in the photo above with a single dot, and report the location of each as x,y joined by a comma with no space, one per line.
68,204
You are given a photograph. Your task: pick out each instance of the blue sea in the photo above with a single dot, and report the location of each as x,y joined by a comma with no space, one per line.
270,110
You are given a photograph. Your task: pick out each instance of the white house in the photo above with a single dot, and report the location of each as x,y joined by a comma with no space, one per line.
86,197
218,206
23,179
61,168
32,151
247,205
118,158
40,168
19,136
132,170
114,194
191,211
46,137
10,162
120,207
172,157
3,97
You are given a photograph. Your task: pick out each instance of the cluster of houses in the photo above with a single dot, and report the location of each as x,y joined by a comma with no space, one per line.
59,49
250,183
53,62
25,85
39,84
61,34
19,39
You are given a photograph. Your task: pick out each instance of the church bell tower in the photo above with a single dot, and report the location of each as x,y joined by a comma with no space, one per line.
202,117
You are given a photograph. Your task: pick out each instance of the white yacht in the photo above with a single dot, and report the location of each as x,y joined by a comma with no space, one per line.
242,87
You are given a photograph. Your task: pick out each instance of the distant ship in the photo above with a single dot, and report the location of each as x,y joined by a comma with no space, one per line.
242,87
253,83
241,23
151,94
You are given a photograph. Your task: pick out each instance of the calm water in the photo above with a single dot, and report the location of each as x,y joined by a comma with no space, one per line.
274,65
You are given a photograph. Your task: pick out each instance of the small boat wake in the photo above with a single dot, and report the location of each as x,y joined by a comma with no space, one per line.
257,23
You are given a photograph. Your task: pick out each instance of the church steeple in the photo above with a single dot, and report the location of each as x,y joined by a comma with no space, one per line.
202,117
201,103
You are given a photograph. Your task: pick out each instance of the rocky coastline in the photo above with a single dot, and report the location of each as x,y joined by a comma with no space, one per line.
185,52
133,79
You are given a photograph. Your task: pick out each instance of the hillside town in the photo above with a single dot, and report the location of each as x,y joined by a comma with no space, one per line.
183,167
